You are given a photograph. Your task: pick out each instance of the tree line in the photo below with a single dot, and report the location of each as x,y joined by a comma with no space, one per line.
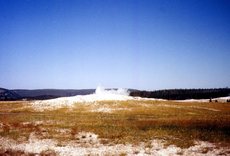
182,94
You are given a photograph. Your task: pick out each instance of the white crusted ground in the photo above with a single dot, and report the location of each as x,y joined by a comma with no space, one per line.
87,143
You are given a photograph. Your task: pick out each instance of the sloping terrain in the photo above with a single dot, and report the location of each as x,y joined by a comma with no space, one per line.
6,94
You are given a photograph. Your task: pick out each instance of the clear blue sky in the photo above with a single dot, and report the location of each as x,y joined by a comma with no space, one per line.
142,44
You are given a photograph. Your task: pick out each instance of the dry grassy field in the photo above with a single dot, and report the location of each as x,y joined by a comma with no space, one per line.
132,127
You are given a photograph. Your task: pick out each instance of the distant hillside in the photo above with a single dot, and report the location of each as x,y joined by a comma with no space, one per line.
182,94
40,94
6,95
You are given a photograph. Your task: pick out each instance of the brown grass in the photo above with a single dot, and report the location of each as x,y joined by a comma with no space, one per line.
177,123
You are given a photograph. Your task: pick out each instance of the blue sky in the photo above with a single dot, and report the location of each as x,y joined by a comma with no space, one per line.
142,44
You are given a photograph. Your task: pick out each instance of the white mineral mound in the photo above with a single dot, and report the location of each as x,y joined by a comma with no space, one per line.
100,94
219,99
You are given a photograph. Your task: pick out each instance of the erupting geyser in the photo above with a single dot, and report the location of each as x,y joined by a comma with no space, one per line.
102,91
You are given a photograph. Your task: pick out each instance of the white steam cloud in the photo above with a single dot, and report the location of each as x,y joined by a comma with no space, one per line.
102,91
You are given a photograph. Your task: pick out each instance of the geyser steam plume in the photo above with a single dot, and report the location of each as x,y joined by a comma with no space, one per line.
102,91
